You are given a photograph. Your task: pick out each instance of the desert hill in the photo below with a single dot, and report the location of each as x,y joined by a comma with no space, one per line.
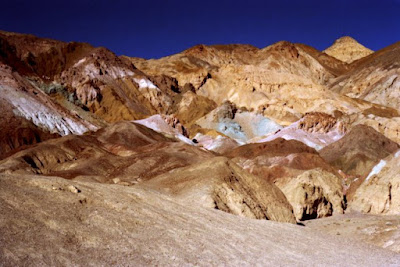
347,49
373,78
219,154
359,150
379,193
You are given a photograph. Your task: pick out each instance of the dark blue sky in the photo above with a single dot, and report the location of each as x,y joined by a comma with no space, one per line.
156,28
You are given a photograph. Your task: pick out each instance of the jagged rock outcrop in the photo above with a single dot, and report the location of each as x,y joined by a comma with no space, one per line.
221,184
17,133
310,184
320,123
314,194
23,99
92,78
380,192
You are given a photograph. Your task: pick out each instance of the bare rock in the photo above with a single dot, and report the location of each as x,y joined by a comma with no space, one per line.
73,189
359,150
380,192
175,123
348,50
221,184
314,194
320,122
374,78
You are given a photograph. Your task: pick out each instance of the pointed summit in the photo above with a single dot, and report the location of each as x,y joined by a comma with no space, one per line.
346,39
347,49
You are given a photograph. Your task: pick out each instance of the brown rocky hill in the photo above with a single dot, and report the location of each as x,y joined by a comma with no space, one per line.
311,185
380,192
332,64
356,154
130,154
33,56
221,184
17,132
283,112
81,77
23,99
93,78
125,151
314,194
359,150
283,81
373,78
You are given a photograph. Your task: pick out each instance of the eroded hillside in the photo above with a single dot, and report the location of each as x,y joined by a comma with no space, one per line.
216,154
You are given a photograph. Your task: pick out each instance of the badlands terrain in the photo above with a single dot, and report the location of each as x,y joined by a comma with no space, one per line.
219,155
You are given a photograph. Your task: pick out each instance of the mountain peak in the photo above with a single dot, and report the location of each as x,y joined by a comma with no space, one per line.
347,49
346,39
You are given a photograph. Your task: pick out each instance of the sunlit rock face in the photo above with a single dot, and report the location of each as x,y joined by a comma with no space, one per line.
373,78
379,193
347,50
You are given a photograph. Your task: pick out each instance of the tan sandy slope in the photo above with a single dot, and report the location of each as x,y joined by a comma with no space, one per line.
117,225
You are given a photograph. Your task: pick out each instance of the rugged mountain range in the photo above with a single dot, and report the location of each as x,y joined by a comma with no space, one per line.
284,133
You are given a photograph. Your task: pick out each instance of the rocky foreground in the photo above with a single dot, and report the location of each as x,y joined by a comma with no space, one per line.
53,221
218,155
